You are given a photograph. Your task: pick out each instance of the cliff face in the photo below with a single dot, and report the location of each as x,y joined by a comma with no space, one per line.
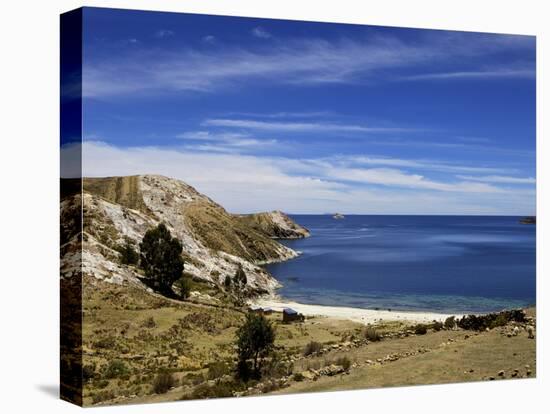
276,225
214,242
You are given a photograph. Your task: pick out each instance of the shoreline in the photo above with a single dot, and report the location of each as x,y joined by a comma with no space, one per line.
364,316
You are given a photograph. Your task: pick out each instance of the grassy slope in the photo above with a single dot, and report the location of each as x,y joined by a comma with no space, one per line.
485,353
219,230
187,338
114,328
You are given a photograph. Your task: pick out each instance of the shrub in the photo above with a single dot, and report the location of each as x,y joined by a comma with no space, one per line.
216,390
183,285
312,348
298,377
149,323
227,282
240,280
88,372
217,370
102,396
115,369
420,329
276,367
371,334
128,254
161,258
163,382
105,343
437,326
490,320
344,362
449,322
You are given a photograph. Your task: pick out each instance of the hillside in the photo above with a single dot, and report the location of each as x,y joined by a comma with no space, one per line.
215,242
275,224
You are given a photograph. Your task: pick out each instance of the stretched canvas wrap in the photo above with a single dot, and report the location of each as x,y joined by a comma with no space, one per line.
258,206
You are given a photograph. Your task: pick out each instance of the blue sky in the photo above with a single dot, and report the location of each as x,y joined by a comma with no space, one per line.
308,117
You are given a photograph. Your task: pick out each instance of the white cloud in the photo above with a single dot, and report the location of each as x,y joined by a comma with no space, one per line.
397,178
297,126
164,33
261,33
500,179
224,141
429,165
244,183
296,61
476,74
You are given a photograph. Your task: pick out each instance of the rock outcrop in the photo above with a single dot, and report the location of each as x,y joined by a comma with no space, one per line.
215,242
275,224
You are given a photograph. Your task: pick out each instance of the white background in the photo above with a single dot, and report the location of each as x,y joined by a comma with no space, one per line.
29,159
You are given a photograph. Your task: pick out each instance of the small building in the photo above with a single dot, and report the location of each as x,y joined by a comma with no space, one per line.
290,315
268,311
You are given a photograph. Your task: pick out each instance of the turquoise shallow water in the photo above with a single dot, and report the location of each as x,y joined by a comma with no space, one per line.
436,263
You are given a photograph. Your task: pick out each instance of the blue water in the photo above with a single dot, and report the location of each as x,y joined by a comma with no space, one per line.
437,263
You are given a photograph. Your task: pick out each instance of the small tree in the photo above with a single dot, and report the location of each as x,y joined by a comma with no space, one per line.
227,282
255,340
161,258
183,284
240,279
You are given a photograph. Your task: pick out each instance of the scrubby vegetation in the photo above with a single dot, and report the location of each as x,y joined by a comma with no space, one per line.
128,254
183,287
371,334
312,348
163,382
450,322
420,329
437,326
491,320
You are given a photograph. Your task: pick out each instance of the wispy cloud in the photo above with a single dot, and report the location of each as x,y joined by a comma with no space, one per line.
261,33
398,178
224,141
428,165
164,33
298,126
475,74
500,179
303,62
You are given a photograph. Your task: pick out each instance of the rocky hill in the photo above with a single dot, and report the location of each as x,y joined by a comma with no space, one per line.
275,224
215,242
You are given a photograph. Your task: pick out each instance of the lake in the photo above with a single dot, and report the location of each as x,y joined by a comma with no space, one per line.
435,263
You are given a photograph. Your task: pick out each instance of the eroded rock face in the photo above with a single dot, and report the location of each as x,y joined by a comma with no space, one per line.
215,242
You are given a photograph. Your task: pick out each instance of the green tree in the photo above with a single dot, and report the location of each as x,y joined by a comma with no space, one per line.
255,340
227,282
161,258
240,279
183,284
128,254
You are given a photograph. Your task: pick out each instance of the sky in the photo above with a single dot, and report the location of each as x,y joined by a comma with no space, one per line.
312,118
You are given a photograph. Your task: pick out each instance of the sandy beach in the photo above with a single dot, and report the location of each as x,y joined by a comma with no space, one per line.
354,314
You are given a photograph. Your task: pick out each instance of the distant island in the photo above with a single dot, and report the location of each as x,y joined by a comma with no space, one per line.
528,220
